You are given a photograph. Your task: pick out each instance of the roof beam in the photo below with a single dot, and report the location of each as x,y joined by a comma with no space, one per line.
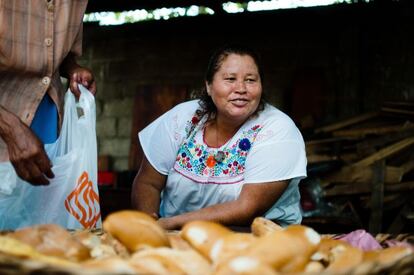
126,5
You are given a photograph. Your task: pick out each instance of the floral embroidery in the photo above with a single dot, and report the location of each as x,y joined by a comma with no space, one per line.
195,120
191,125
210,161
196,160
244,144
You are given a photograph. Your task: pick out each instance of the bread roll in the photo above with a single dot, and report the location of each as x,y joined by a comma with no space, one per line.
102,245
388,255
136,230
344,258
323,252
110,265
52,240
16,248
338,256
177,242
202,235
244,265
306,236
231,245
314,267
170,261
262,226
154,265
287,250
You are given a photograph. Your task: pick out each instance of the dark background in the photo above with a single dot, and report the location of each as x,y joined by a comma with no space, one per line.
321,65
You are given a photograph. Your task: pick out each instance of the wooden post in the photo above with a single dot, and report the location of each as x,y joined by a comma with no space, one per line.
399,222
377,197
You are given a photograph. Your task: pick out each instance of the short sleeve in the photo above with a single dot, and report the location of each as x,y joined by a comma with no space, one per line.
277,154
161,139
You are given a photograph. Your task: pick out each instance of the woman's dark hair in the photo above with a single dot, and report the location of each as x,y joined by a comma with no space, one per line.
216,60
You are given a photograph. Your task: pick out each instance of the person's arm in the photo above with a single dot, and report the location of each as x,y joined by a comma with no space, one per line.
147,188
26,152
254,200
77,75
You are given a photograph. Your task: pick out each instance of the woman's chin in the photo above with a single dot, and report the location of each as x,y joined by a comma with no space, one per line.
239,117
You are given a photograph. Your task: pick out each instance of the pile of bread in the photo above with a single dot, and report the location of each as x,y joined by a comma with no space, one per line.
133,243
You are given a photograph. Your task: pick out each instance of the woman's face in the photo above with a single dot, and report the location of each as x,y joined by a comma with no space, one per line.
236,88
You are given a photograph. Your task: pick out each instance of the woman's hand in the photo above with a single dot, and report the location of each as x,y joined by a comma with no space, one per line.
254,200
163,222
168,223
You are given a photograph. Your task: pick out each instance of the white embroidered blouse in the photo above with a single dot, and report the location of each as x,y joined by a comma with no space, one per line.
266,148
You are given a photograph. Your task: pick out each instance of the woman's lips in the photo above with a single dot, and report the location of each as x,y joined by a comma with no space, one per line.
239,102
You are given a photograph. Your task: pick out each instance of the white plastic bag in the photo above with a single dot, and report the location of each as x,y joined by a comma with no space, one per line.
71,199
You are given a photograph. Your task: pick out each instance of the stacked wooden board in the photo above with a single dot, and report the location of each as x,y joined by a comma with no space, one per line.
370,160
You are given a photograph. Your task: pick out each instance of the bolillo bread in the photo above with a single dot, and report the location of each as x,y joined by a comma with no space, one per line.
165,260
52,240
338,256
286,250
387,256
202,235
231,245
261,227
135,230
110,265
244,265
16,248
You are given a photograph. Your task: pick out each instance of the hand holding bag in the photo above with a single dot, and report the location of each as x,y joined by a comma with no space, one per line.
71,199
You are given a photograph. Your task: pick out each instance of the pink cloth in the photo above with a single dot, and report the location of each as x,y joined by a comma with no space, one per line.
360,239
366,242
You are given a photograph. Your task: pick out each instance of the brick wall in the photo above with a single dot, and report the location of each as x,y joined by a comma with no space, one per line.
327,62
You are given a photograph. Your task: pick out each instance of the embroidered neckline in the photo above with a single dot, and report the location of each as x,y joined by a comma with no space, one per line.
195,160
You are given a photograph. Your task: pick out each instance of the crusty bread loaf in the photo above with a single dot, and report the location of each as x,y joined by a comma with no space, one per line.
16,248
101,245
262,226
110,265
202,235
344,258
136,230
52,240
231,245
388,255
244,265
323,252
135,244
338,256
170,261
314,267
177,242
287,250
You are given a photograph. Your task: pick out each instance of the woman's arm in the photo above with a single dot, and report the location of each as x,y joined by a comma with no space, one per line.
254,200
147,188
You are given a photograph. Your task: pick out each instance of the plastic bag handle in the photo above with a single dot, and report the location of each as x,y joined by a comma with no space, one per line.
86,103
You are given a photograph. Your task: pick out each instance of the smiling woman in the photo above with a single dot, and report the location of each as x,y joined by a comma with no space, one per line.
226,157
235,90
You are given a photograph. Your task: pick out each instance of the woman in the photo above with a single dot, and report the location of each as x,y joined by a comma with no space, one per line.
227,157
